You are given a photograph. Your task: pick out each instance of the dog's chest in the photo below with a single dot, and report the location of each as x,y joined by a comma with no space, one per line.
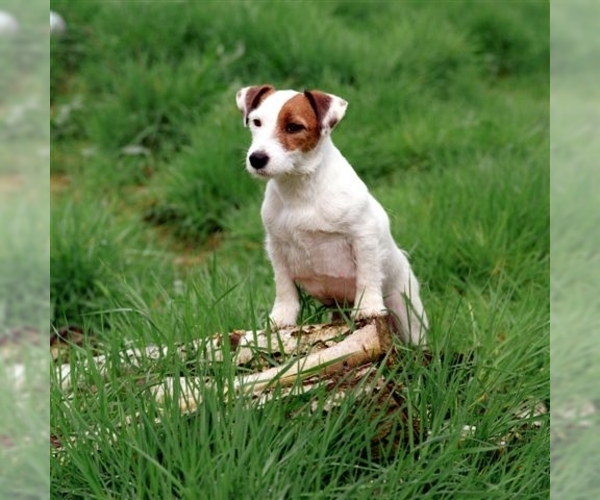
318,256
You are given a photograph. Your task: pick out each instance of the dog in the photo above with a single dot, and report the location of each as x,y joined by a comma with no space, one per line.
324,231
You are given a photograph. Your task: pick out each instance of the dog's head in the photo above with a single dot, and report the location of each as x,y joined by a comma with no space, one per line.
287,127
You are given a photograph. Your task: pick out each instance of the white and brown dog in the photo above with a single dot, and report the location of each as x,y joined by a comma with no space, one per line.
325,232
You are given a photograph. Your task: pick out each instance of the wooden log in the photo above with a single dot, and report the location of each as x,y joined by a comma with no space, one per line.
365,345
244,347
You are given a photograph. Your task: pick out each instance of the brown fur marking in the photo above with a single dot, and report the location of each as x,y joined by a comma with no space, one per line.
320,103
255,95
298,110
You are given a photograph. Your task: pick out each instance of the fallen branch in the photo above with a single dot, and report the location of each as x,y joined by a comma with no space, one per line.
243,347
363,346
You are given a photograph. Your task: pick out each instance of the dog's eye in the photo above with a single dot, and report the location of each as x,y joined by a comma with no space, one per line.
293,128
256,122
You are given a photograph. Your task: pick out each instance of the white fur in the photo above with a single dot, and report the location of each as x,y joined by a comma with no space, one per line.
326,232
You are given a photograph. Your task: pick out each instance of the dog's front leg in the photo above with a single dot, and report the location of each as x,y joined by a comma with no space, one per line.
287,303
368,301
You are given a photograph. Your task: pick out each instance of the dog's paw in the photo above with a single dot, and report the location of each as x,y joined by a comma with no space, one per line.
281,317
278,323
368,312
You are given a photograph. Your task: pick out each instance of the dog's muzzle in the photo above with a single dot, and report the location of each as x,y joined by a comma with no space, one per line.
258,159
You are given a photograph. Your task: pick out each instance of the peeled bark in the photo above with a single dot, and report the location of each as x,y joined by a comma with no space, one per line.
321,352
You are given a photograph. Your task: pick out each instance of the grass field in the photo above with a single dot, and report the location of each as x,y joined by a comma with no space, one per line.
156,238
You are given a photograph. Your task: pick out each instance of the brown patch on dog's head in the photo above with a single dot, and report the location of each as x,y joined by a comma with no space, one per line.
319,102
298,126
249,98
328,108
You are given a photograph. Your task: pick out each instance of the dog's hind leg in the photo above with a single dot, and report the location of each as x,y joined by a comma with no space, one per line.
408,315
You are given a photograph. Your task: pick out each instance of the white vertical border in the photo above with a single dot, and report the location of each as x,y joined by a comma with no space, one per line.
575,249
24,250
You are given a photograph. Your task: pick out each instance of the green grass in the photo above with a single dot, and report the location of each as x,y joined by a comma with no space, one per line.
156,238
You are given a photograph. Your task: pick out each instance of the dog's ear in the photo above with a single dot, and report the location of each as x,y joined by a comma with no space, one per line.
249,98
329,108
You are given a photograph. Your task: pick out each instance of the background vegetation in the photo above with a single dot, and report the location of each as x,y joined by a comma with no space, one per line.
156,235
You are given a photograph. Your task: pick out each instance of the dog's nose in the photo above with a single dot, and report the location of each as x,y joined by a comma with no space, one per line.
258,159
